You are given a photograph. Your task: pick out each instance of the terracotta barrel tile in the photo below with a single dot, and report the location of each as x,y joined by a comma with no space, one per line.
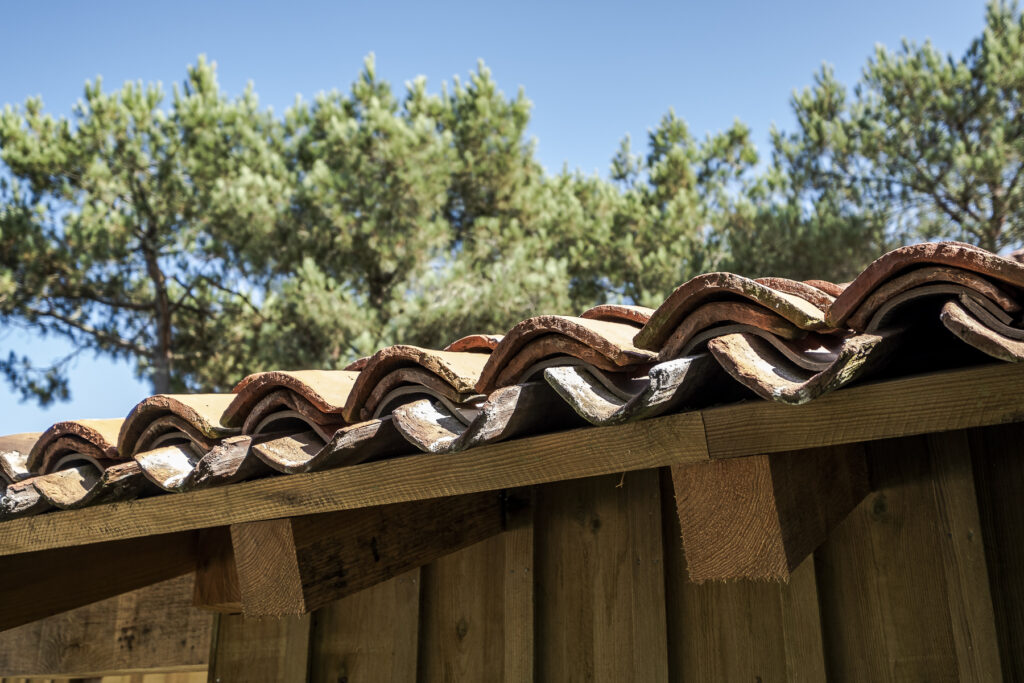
202,412
953,254
96,438
725,286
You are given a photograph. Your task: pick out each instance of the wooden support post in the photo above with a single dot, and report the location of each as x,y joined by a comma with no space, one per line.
293,566
46,582
758,517
150,629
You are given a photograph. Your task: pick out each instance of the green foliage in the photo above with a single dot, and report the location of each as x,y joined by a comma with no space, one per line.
932,144
203,237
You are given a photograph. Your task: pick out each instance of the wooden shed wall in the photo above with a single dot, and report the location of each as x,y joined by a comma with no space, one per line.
923,581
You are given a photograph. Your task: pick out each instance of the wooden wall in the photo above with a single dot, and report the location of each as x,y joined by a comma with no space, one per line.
923,581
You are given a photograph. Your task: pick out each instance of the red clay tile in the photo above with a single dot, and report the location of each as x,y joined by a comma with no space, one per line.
759,366
952,254
94,440
723,317
284,405
14,450
619,313
458,370
326,389
728,287
84,485
508,412
956,278
603,344
667,386
475,343
193,416
814,295
970,330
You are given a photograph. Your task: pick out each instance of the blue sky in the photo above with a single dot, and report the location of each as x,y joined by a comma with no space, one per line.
594,71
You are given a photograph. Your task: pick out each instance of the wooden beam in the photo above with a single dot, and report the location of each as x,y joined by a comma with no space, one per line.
43,583
216,583
293,566
937,402
759,517
999,475
955,399
148,629
522,462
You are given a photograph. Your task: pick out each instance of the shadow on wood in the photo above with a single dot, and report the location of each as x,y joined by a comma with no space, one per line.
293,566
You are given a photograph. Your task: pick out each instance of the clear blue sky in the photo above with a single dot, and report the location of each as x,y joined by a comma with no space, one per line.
594,71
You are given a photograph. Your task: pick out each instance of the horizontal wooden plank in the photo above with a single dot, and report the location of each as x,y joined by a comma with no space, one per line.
937,402
956,399
47,582
574,454
116,636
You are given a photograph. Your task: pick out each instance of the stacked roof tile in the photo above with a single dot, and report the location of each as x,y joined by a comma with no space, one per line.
719,337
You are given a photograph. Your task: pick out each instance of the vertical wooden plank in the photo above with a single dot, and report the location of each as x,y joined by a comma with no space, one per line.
477,610
902,579
999,475
600,608
368,636
738,630
801,625
972,616
267,649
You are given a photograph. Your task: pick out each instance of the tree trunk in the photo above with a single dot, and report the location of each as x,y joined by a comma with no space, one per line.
162,353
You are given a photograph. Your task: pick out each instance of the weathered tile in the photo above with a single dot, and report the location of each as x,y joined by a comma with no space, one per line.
604,344
729,287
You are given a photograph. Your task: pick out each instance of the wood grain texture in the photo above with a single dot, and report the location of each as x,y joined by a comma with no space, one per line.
296,565
269,649
738,630
999,477
114,636
901,581
599,591
216,580
369,636
476,620
759,517
938,402
38,585
971,613
550,457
